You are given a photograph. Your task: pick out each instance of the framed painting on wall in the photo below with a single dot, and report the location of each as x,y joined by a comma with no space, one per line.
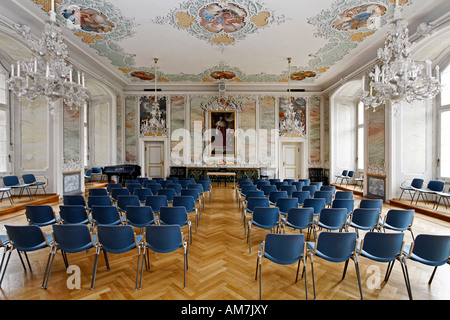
222,127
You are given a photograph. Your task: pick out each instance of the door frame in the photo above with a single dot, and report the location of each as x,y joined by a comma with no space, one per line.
302,159
142,154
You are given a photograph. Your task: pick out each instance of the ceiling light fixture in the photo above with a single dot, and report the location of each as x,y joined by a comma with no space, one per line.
399,77
48,74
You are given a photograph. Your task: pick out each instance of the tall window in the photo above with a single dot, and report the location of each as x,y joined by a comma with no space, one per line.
86,135
444,116
360,137
4,123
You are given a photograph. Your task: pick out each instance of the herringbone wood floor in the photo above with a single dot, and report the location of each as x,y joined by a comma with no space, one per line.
220,268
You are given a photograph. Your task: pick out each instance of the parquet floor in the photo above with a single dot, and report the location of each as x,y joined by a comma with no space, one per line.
220,268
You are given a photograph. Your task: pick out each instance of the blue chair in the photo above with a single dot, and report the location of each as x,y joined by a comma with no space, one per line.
194,194
289,181
123,201
301,196
317,204
386,248
328,188
264,218
275,195
25,239
318,184
107,215
262,183
243,193
69,238
299,219
416,183
284,204
340,176
428,249
148,183
274,180
188,203
364,219
154,188
176,215
206,183
156,202
398,220
267,189
41,215
117,240
332,219
30,179
279,184
439,196
371,204
327,195
165,239
348,177
116,192
98,201
184,183
97,192
251,194
13,183
335,247
240,184
88,176
158,179
173,179
306,182
139,216
343,194
284,249
174,186
252,203
7,191
142,194
289,189
133,186
199,188
433,186
348,204
298,185
169,193
311,188
73,214
74,199
142,180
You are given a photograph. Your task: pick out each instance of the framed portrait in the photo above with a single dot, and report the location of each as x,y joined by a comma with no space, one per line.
222,126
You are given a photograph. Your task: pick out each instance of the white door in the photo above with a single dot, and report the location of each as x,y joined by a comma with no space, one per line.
290,160
154,159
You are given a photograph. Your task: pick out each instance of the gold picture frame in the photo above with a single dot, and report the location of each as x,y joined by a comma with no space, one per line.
222,124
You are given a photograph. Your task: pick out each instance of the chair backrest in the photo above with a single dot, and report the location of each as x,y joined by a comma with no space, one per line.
432,249
74,199
289,189
327,195
73,237
28,178
349,204
255,194
382,246
284,248
142,193
169,193
343,195
119,191
40,215
154,187
26,238
400,219
96,170
108,215
301,196
177,187
142,180
318,184
332,218
417,183
186,201
289,181
124,201
284,204
371,203
71,214
307,182
116,239
350,174
275,195
365,218
336,246
259,184
10,181
344,173
148,183
190,192
99,201
197,186
88,173
257,202
301,218
317,204
311,188
298,185
267,189
206,183
436,185
184,183
133,186
163,238
247,187
139,216
266,217
328,188
156,202
98,192
279,184
173,215
274,180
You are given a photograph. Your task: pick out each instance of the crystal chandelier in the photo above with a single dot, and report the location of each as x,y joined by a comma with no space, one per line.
156,123
291,124
399,77
48,74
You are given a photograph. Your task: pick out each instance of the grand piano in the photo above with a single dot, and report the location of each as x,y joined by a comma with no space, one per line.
123,172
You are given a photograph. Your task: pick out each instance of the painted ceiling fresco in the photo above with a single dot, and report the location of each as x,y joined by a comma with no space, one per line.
236,41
